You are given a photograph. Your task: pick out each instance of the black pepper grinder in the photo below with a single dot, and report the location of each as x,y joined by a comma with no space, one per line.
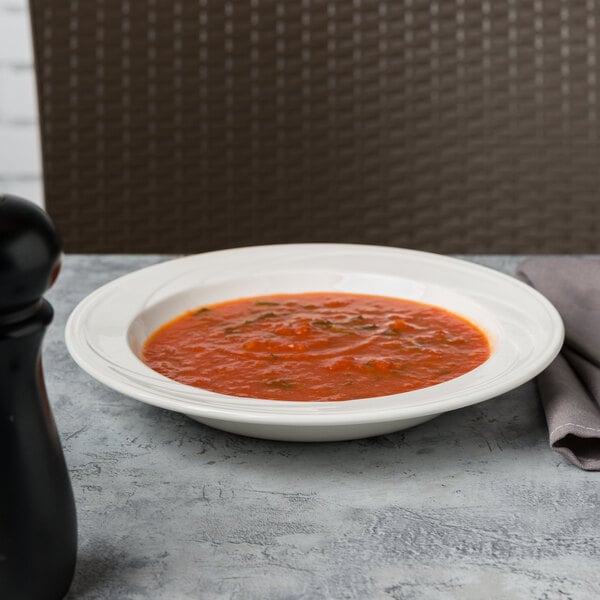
38,530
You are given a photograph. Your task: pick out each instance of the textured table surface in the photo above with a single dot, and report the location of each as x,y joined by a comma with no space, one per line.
471,505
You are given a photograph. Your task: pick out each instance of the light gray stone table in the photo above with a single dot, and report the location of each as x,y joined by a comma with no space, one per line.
471,505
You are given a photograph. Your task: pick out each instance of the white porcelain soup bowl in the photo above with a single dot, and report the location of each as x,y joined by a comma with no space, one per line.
106,332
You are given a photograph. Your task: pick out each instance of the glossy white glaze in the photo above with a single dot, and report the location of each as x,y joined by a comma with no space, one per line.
106,331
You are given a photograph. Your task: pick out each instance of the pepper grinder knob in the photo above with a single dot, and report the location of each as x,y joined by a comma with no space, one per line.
30,253
38,530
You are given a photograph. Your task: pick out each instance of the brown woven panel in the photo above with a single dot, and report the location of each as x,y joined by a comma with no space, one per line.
183,126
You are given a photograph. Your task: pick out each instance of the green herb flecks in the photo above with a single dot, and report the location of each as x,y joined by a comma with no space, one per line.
330,326
260,317
390,331
280,384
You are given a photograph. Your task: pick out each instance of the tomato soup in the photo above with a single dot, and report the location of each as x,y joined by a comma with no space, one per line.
316,347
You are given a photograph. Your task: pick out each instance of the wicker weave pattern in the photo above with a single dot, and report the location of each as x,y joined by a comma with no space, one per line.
183,126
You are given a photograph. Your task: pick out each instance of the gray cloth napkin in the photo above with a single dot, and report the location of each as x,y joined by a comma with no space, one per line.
570,386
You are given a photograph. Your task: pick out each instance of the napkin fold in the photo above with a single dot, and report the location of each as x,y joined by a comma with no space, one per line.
570,387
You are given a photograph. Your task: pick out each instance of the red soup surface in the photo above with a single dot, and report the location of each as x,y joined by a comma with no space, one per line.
316,347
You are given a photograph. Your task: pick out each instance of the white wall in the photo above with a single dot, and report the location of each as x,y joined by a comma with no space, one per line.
20,161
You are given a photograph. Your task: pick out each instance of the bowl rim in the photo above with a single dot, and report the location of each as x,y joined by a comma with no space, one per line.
480,384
